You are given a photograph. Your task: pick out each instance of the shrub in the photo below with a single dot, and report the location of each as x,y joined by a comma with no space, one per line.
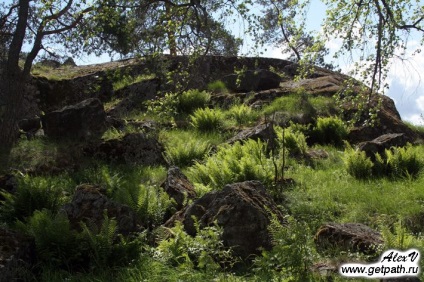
358,164
192,100
186,151
294,140
217,86
207,119
56,243
402,162
242,114
236,163
33,193
292,255
204,251
330,130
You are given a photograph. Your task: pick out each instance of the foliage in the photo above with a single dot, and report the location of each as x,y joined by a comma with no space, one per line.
401,162
56,243
242,114
164,108
33,194
135,187
283,26
330,130
292,254
396,163
191,100
379,30
106,249
398,237
294,140
183,148
203,251
206,120
217,87
358,164
236,163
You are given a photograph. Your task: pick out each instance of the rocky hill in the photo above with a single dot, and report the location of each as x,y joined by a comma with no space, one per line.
216,165
71,85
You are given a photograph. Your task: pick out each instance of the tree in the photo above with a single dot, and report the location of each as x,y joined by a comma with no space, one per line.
283,25
378,29
183,27
27,21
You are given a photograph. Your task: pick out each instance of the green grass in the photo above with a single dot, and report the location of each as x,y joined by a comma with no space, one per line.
127,80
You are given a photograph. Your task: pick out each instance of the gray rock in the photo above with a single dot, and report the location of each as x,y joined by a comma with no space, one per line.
89,205
252,80
80,122
264,132
351,237
243,210
133,148
178,187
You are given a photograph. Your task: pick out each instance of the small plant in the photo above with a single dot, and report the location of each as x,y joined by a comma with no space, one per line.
292,254
204,251
56,243
33,193
330,130
186,152
163,108
358,164
242,114
402,162
191,100
217,87
207,119
236,163
294,140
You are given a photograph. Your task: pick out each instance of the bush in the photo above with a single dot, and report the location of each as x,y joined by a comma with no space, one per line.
358,164
294,140
396,163
204,251
236,163
330,130
186,151
242,114
207,119
217,86
192,100
402,162
292,255
33,193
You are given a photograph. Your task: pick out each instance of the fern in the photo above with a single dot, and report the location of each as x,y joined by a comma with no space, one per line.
239,162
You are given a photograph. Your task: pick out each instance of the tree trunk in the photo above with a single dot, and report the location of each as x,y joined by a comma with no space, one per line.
12,89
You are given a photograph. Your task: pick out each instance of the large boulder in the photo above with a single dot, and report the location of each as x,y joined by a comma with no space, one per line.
17,252
264,132
133,148
349,237
382,143
90,204
243,210
80,122
252,80
178,187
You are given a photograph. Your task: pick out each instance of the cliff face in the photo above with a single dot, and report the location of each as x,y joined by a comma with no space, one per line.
98,81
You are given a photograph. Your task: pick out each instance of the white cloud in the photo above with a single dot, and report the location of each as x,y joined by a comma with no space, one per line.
420,103
415,119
